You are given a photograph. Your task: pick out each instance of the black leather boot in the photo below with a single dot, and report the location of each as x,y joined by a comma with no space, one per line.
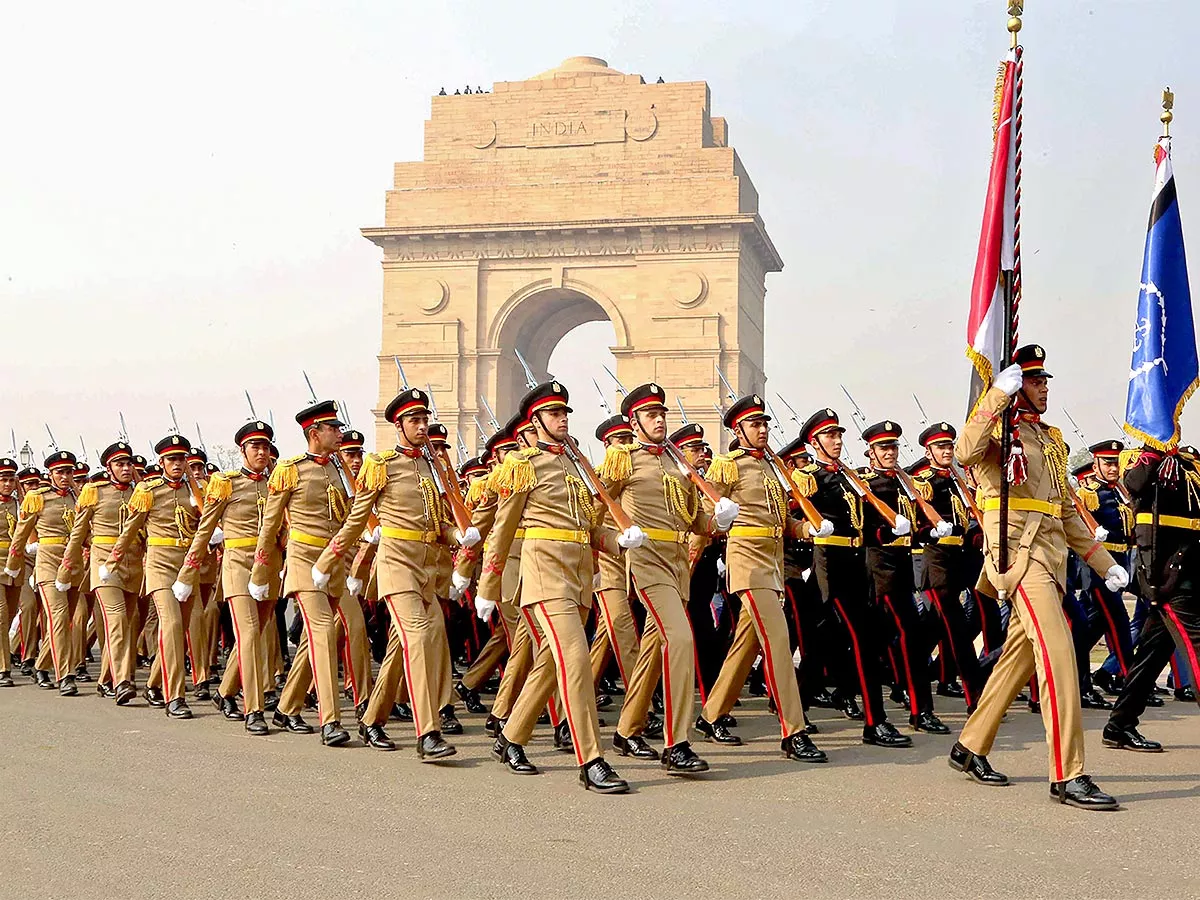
977,767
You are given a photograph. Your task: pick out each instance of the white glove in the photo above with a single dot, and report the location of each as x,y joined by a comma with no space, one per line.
31,549
320,579
105,575
631,538
943,529
902,526
1010,379
62,586
484,608
720,567
1116,579
11,573
376,534
353,585
468,538
181,591
32,583
725,511
458,584
258,591
825,529
1101,533
218,537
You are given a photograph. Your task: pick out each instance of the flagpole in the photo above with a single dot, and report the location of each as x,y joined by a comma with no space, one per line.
1011,296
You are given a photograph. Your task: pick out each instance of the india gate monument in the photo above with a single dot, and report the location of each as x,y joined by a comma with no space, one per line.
577,195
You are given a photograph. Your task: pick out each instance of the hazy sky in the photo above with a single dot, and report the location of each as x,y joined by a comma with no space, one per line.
181,188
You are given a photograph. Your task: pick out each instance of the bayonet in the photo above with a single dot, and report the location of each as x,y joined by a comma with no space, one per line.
400,372
432,404
604,404
530,381
730,394
491,415
921,410
791,411
83,448
308,381
683,419
616,381
344,409
200,438
1075,425
174,421
250,403
462,447
53,442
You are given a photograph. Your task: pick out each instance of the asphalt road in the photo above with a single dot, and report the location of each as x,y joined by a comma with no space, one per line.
97,801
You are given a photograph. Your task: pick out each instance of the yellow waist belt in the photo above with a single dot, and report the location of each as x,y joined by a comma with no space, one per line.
905,541
166,542
1169,521
235,543
665,535
52,541
951,540
1114,547
766,531
557,534
837,540
519,534
311,539
410,534
4,545
103,540
1020,504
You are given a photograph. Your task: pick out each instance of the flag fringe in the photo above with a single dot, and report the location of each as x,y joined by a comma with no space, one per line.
1153,442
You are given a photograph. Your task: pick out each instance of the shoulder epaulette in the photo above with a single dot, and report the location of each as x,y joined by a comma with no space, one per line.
924,488
1089,497
805,483
88,496
143,495
723,469
33,503
218,489
812,468
285,477
373,474
232,473
476,493
866,474
515,474
617,464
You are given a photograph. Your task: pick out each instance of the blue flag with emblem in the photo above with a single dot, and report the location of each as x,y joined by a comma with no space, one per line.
1164,369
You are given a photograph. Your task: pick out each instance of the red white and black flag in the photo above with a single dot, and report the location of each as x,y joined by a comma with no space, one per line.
995,263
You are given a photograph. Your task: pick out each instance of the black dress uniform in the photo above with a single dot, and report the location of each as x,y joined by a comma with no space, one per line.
1166,502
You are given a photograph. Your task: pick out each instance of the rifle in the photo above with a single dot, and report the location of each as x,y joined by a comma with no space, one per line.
491,415
444,476
193,485
1084,513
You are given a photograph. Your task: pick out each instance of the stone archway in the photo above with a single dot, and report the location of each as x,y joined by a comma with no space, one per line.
580,194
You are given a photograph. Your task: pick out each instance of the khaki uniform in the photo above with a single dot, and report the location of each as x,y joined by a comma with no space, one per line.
167,510
1042,525
308,491
647,484
483,504
10,586
48,515
101,514
754,571
204,625
617,631
235,501
399,486
544,493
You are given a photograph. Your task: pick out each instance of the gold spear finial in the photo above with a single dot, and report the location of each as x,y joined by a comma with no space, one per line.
1168,104
1016,9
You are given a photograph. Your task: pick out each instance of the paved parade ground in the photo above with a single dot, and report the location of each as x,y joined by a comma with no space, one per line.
101,802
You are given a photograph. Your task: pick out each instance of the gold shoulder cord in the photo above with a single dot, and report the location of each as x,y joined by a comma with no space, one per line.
183,523
432,503
677,499
68,517
260,502
774,491
1055,451
582,507
855,504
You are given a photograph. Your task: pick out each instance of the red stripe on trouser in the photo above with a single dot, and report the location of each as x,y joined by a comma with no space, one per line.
1189,648
41,592
348,656
862,673
912,684
162,666
551,706
610,626
669,719
937,601
312,656
408,674
768,666
1056,738
696,660
1112,632
1175,673
187,638
795,618
983,629
562,687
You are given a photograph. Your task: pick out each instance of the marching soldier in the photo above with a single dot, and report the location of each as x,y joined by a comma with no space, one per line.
946,572
439,443
543,492
653,493
840,566
203,625
889,560
400,486
754,570
168,510
47,515
101,513
234,504
10,585
29,479
1045,525
307,492
1164,489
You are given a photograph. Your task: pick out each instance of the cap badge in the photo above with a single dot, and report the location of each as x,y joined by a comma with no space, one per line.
945,425
829,412
757,399
1039,352
654,388
888,425
555,387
